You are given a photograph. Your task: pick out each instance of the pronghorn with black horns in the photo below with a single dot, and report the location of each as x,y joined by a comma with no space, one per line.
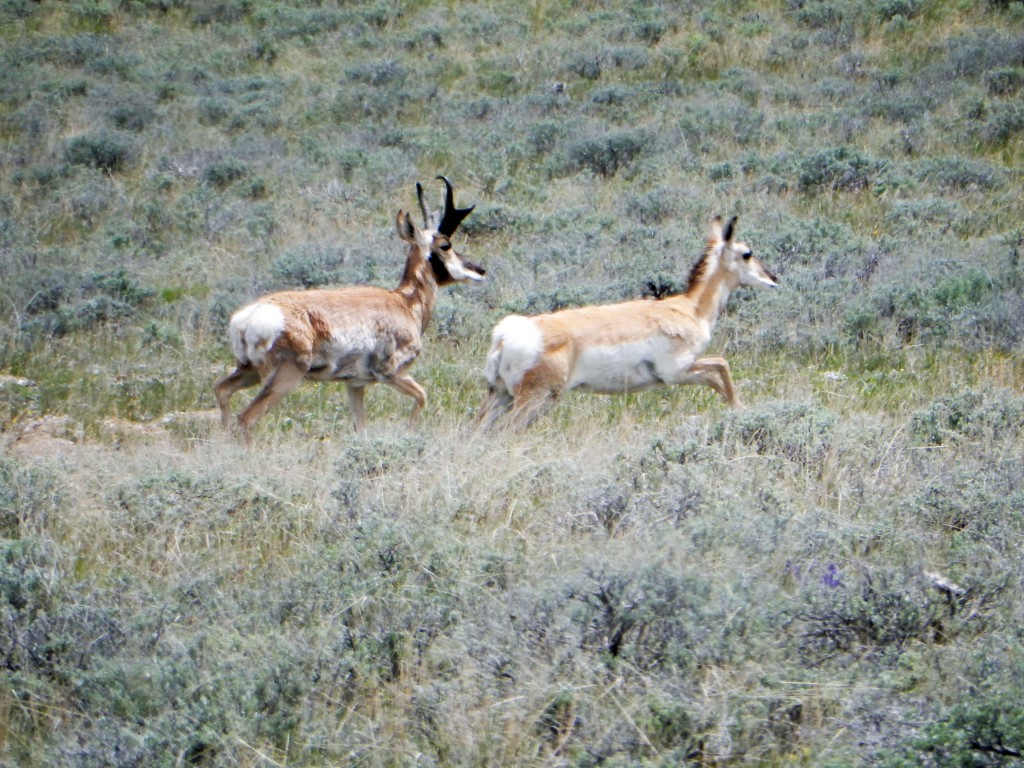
623,347
359,335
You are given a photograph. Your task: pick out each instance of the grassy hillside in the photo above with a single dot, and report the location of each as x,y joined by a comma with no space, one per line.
831,577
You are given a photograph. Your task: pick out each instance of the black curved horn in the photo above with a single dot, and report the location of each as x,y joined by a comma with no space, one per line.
452,216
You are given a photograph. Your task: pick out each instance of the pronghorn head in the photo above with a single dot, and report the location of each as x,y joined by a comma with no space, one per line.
434,239
736,257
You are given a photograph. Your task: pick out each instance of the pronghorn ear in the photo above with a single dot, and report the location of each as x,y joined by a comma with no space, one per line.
715,229
730,230
406,229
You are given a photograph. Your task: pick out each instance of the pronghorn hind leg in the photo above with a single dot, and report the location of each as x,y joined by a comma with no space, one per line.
242,377
539,389
407,385
495,405
283,380
530,402
527,410
355,405
714,372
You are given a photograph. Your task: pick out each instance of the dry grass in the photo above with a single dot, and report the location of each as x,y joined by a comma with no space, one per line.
482,564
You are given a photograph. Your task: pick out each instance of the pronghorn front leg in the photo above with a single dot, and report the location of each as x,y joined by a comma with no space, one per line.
407,385
714,372
355,405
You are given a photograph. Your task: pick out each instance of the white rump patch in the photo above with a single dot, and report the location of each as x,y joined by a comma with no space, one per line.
253,331
516,345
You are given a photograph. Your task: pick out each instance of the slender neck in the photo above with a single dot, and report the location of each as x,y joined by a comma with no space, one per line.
418,288
709,288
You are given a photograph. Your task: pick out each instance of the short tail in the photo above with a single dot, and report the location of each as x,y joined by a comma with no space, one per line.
515,346
492,368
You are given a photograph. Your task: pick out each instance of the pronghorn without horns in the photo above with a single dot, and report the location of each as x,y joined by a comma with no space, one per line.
622,347
359,335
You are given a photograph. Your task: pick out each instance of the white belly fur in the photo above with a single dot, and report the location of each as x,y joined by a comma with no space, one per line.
628,367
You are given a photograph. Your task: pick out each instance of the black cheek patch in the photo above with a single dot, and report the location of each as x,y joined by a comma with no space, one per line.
441,274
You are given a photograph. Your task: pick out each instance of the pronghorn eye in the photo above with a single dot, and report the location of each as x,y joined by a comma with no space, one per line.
446,246
748,254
